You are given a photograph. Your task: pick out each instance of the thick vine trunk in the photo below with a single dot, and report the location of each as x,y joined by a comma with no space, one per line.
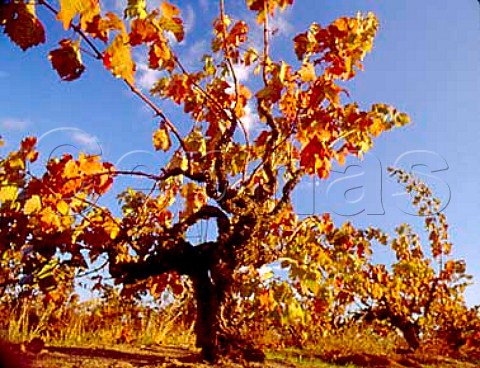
207,324
411,334
410,330
213,338
212,280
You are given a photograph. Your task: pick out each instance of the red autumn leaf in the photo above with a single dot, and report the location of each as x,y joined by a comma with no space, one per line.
143,31
67,61
21,24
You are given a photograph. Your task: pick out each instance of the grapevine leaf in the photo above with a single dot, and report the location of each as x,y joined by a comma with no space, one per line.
170,20
32,205
136,9
118,59
160,56
67,61
21,24
161,139
169,10
69,9
8,193
99,27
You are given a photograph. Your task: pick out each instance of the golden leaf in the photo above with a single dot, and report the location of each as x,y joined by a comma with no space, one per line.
32,205
161,139
160,56
118,59
136,9
169,10
307,72
8,193
69,9
63,208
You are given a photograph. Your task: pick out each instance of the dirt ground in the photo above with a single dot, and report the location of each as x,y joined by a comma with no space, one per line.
116,357
169,357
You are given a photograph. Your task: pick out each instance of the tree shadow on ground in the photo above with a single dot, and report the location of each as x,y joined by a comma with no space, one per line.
155,356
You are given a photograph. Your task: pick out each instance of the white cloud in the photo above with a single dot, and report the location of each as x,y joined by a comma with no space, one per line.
280,24
189,19
15,125
147,77
242,72
249,119
86,140
192,57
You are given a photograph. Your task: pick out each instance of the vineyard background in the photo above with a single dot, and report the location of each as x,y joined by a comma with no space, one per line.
265,285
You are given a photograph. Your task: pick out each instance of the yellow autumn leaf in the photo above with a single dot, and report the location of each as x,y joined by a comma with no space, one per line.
8,193
307,72
195,142
69,9
295,312
161,139
118,59
49,219
178,161
112,229
284,71
32,205
136,9
63,208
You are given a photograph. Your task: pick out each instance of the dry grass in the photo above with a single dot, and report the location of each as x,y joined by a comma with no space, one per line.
94,325
94,322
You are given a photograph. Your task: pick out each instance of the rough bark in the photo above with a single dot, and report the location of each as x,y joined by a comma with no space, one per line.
207,325
410,330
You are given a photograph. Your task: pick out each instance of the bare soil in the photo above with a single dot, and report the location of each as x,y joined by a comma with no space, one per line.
126,356
122,356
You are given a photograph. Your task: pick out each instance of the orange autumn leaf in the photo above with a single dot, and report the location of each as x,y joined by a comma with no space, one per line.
171,22
100,27
27,147
260,6
195,197
160,57
315,158
143,31
169,10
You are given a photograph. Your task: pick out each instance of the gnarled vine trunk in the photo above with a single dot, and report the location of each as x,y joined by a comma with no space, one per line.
409,329
212,281
213,335
207,324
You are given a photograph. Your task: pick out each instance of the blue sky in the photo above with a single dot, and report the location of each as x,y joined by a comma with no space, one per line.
426,61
